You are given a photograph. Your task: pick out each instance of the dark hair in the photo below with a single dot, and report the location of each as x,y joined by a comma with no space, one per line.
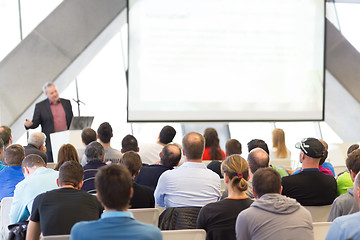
170,155
5,134
233,146
167,134
105,132
325,154
266,180
237,169
212,141
88,135
132,161
353,161
66,153
1,143
14,155
129,143
113,185
71,173
352,148
94,151
258,158
193,145
258,143
32,160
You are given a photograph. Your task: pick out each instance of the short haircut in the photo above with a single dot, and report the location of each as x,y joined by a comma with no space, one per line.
46,85
352,148
37,139
233,146
105,132
353,161
5,134
33,160
88,135
167,134
266,180
129,143
66,153
170,155
71,173
193,145
1,144
258,143
132,161
14,155
113,185
258,158
94,151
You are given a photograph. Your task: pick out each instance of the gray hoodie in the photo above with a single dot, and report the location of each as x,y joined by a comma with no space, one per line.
343,205
274,216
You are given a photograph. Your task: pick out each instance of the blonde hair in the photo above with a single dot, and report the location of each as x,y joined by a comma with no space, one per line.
278,139
237,169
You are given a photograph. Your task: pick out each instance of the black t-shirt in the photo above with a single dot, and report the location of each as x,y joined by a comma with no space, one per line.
143,197
58,210
310,187
219,218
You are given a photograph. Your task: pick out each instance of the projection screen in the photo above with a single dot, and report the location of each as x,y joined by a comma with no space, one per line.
226,60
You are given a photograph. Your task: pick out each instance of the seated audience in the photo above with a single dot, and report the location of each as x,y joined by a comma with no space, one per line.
36,146
150,152
212,145
273,216
143,197
2,151
347,227
129,143
345,204
94,155
105,133
279,150
5,135
55,212
149,175
38,179
310,187
67,152
218,218
88,135
114,190
11,175
191,184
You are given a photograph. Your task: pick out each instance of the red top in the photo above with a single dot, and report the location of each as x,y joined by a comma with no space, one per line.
207,155
59,117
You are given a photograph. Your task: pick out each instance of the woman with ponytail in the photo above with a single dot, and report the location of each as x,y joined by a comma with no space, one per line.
218,219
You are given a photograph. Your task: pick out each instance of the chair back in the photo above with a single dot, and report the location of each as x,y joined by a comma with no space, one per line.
188,234
6,203
320,230
56,237
146,215
319,213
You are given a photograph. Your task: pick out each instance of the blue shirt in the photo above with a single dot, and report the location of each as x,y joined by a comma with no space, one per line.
115,225
42,180
9,177
2,166
345,227
190,185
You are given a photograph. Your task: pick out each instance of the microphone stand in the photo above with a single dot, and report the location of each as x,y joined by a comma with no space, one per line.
78,101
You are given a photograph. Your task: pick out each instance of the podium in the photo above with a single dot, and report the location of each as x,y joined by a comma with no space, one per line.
59,138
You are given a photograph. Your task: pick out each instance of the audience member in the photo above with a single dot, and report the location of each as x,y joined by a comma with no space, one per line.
213,151
345,204
36,146
143,197
105,133
347,227
233,146
149,175
129,143
94,155
2,166
191,184
273,216
88,135
218,218
11,175
114,190
38,179
310,187
150,153
279,150
55,212
67,152
5,135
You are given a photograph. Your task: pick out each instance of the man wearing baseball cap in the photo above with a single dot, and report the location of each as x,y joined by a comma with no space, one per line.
310,187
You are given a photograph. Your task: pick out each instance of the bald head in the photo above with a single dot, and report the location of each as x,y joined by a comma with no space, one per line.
170,155
193,145
258,158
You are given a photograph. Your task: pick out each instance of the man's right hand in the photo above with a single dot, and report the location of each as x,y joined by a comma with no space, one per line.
28,123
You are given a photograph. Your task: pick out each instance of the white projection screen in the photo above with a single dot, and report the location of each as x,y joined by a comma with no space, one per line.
226,60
